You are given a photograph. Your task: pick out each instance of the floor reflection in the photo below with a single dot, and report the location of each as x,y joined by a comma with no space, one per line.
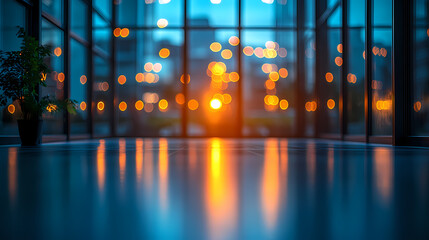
214,189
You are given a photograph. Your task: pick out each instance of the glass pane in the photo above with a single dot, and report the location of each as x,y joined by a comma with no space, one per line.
356,82
54,8
54,38
150,13
269,83
269,13
79,81
331,81
12,14
310,13
79,18
102,96
382,82
148,83
213,13
101,34
356,13
420,112
382,10
310,79
104,7
213,103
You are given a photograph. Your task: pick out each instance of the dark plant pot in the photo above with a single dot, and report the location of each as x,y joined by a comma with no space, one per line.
30,132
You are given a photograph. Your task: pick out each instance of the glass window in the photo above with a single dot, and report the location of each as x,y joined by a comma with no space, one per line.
102,92
12,14
213,13
381,81
79,82
164,13
148,87
79,18
420,103
310,80
269,13
55,9
54,38
102,34
355,84
104,7
269,83
213,103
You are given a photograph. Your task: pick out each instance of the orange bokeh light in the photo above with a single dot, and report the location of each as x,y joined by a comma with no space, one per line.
164,53
58,51
329,77
122,79
82,106
215,104
162,104
123,106
234,77
234,41
188,79
339,61
274,76
139,105
180,98
215,47
148,67
193,104
100,106
330,103
340,48
248,51
417,106
117,32
11,109
140,77
125,32
226,54
61,77
83,79
284,104
283,72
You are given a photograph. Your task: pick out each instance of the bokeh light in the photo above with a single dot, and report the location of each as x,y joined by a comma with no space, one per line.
215,47
284,104
193,104
139,105
100,106
215,104
122,79
11,109
329,77
330,103
234,41
82,106
123,106
164,53
162,23
226,54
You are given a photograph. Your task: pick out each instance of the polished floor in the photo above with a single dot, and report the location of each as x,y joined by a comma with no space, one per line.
213,189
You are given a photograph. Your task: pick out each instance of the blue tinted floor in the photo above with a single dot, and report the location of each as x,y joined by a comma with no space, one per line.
214,189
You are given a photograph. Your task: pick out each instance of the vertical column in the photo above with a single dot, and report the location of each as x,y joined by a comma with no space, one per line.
67,63
90,72
185,70
300,83
240,117
402,69
113,121
368,69
344,70
35,23
321,51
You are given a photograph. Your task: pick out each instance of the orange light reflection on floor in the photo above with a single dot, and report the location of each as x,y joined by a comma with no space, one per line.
139,160
101,165
12,173
163,173
270,184
122,160
148,164
383,172
221,191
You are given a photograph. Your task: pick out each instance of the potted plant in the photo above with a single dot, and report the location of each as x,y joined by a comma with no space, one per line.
21,74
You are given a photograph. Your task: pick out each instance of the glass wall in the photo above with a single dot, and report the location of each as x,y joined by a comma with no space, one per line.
381,81
12,14
255,68
420,87
355,84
